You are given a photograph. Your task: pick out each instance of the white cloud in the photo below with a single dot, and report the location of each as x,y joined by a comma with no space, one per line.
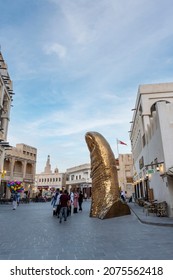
76,66
55,48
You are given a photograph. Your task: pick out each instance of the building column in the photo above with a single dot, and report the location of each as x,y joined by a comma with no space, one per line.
12,163
24,162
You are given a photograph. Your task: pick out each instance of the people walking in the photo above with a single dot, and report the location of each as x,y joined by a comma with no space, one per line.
18,199
14,201
80,200
53,201
69,205
63,204
72,200
123,196
57,204
75,201
85,196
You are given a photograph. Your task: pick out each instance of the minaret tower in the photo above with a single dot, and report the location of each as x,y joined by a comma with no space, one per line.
47,168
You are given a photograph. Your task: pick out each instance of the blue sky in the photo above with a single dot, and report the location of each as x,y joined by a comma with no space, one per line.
76,66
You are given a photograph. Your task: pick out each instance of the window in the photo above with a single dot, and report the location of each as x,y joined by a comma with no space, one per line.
143,140
141,162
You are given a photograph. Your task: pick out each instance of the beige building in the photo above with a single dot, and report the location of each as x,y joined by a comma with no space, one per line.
125,174
19,165
6,98
151,137
79,177
48,181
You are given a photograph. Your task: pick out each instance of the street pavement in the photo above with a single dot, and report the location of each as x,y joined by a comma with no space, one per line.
149,218
32,233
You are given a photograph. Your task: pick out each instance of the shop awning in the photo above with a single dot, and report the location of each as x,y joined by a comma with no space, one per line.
43,187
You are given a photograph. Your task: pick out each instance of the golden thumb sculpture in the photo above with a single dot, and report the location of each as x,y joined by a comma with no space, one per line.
105,191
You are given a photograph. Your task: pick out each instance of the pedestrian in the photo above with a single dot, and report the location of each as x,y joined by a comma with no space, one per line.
63,203
71,196
57,204
80,200
72,200
28,197
53,201
14,201
18,199
75,201
85,196
69,205
123,197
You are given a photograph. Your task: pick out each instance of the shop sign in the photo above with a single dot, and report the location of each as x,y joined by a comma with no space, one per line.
150,171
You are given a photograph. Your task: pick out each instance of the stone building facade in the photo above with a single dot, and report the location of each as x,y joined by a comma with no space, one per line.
6,98
151,136
125,174
48,181
20,165
79,177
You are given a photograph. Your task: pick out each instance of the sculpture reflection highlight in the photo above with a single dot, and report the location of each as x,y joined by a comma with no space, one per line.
105,191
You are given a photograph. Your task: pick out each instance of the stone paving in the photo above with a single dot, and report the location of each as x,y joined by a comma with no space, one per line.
32,233
150,218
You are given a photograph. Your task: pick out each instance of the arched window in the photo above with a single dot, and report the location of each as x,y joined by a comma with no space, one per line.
153,107
29,168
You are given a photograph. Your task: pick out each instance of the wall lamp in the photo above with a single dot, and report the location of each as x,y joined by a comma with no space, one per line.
157,168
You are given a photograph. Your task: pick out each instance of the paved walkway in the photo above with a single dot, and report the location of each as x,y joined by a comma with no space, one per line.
151,219
32,233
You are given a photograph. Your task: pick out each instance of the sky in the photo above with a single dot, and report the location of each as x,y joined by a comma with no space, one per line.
76,66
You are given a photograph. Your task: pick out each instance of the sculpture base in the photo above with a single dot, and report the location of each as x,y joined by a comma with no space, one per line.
119,208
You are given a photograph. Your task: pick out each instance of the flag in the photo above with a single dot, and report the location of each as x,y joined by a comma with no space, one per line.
121,142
